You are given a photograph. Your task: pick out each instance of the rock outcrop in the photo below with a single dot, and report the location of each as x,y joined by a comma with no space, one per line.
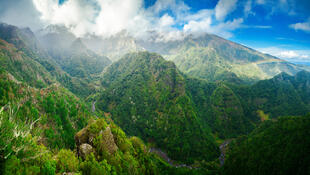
84,150
90,140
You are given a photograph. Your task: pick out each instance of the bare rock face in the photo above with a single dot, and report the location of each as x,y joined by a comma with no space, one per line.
81,137
108,140
85,149
96,140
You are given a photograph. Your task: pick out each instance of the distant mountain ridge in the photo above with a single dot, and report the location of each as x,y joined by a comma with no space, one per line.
217,98
205,56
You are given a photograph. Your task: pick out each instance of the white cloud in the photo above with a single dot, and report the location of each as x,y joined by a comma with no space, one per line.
90,16
223,29
286,54
21,13
305,57
248,8
257,26
305,26
166,20
224,7
171,18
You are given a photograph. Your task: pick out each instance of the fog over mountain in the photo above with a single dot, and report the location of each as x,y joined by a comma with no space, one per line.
106,18
254,23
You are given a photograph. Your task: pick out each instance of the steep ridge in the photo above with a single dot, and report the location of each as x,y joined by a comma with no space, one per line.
146,97
220,107
39,135
213,58
280,96
26,44
204,56
22,67
113,47
71,54
232,110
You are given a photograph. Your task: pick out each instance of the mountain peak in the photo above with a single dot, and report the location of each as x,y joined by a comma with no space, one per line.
78,46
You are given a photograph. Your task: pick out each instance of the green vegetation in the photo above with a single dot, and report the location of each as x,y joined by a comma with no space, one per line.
146,96
22,56
46,99
280,96
78,61
59,112
213,58
275,147
32,118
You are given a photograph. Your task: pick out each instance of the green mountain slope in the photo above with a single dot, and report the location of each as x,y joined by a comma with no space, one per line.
71,54
231,110
146,96
276,147
205,56
213,58
39,135
61,113
28,46
22,67
280,96
218,106
140,92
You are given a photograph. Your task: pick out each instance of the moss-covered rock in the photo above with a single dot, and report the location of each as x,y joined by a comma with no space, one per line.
85,150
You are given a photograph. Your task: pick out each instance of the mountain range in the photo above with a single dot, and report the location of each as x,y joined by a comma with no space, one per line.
96,105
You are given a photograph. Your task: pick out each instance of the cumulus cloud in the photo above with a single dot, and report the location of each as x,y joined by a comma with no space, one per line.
172,18
305,26
224,7
248,8
289,55
90,16
205,25
21,13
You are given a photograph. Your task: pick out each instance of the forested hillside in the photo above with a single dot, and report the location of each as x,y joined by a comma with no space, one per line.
214,58
39,135
28,46
275,147
146,96
68,109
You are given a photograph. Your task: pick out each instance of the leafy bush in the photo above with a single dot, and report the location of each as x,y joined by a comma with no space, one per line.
66,161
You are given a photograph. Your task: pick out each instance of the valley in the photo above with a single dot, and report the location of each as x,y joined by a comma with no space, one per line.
122,105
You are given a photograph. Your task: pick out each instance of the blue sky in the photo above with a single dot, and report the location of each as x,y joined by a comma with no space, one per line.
277,27
267,25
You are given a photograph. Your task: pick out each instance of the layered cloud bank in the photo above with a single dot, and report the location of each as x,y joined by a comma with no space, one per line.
172,19
108,17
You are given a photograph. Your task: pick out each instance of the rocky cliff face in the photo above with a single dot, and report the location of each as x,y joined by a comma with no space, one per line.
93,139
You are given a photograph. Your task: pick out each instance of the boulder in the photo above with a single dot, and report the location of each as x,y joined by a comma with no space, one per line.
81,137
85,149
